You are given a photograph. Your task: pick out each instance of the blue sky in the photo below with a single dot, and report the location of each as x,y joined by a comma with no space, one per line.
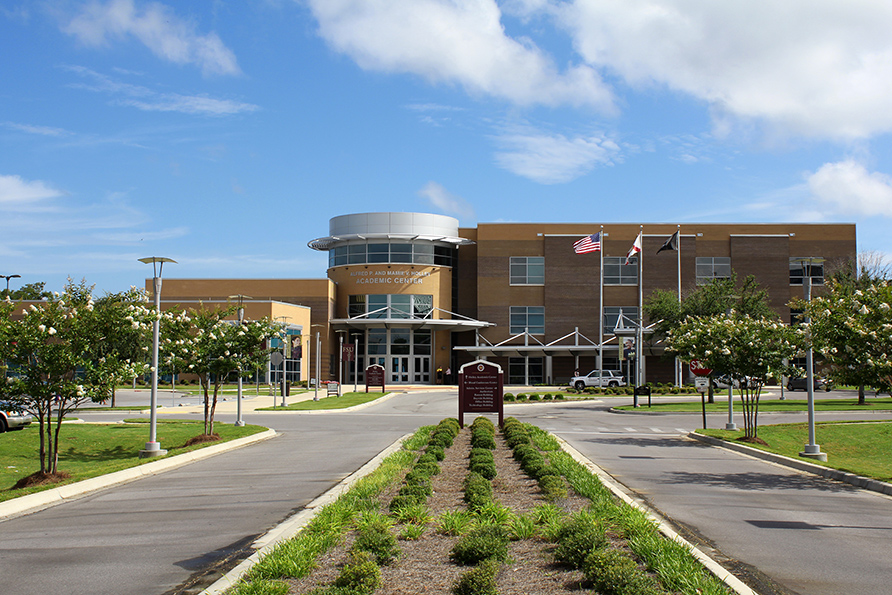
225,135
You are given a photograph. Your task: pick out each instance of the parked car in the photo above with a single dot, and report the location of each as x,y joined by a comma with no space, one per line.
609,378
801,383
723,381
12,417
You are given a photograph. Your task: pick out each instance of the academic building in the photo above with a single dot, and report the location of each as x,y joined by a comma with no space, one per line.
421,296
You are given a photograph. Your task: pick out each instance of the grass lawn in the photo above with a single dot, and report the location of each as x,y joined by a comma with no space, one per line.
89,450
342,402
770,405
863,448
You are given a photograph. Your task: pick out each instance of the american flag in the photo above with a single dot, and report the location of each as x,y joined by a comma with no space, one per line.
587,244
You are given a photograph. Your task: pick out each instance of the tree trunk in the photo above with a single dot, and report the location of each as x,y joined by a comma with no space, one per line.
56,431
42,423
210,431
862,397
113,393
204,385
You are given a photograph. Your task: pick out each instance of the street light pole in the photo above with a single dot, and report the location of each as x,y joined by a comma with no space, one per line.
241,318
340,360
8,277
355,362
153,447
811,450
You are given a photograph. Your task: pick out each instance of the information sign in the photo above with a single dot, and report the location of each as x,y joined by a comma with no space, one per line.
701,383
480,390
374,376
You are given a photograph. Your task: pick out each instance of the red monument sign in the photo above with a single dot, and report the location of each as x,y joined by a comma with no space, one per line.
374,376
480,390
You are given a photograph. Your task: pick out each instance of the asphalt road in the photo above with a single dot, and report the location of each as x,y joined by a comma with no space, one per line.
153,536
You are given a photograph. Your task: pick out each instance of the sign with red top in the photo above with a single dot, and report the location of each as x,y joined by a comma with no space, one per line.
698,369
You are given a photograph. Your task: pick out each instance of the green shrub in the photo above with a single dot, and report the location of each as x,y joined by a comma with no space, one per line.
482,438
522,451
559,397
379,542
361,575
418,514
521,397
427,468
442,438
420,491
489,541
261,587
411,532
428,458
437,451
547,397
478,491
484,468
613,573
552,487
451,425
535,397
578,537
402,501
478,581
485,423
508,398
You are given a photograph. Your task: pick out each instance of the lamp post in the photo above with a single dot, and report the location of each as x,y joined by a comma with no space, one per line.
318,353
356,360
8,277
153,447
811,450
241,318
340,360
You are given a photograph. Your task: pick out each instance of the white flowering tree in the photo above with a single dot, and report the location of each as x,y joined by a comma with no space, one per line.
851,326
748,349
54,363
205,343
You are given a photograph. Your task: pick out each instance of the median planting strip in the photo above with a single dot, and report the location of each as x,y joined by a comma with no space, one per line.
476,512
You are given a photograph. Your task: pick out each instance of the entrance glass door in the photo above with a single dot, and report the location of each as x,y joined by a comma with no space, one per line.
399,369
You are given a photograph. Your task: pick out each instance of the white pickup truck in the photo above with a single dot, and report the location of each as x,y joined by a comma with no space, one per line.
609,378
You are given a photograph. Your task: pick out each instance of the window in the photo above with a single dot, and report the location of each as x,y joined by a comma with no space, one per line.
527,270
390,306
527,318
396,252
800,267
713,267
611,317
526,370
616,272
796,317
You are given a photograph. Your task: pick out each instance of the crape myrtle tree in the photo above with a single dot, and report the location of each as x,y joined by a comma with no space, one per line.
851,327
202,342
749,349
711,299
124,324
52,347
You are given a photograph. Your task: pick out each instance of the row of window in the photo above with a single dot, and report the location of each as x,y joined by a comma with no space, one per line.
531,319
530,270
396,305
392,252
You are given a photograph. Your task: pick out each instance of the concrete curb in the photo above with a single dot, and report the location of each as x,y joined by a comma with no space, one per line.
293,524
46,499
865,483
620,492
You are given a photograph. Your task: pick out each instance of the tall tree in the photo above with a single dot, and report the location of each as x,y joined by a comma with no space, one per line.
851,327
29,292
124,330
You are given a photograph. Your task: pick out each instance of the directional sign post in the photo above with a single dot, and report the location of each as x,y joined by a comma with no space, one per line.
702,384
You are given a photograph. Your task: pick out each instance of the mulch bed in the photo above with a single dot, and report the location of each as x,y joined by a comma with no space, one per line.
424,565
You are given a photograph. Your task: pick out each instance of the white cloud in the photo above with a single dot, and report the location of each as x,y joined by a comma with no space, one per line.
553,158
449,203
808,67
158,28
146,99
847,187
32,129
455,41
13,189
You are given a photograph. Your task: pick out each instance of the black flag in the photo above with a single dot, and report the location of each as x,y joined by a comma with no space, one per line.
670,244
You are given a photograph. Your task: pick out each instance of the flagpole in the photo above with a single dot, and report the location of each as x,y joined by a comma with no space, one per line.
638,346
678,372
601,315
